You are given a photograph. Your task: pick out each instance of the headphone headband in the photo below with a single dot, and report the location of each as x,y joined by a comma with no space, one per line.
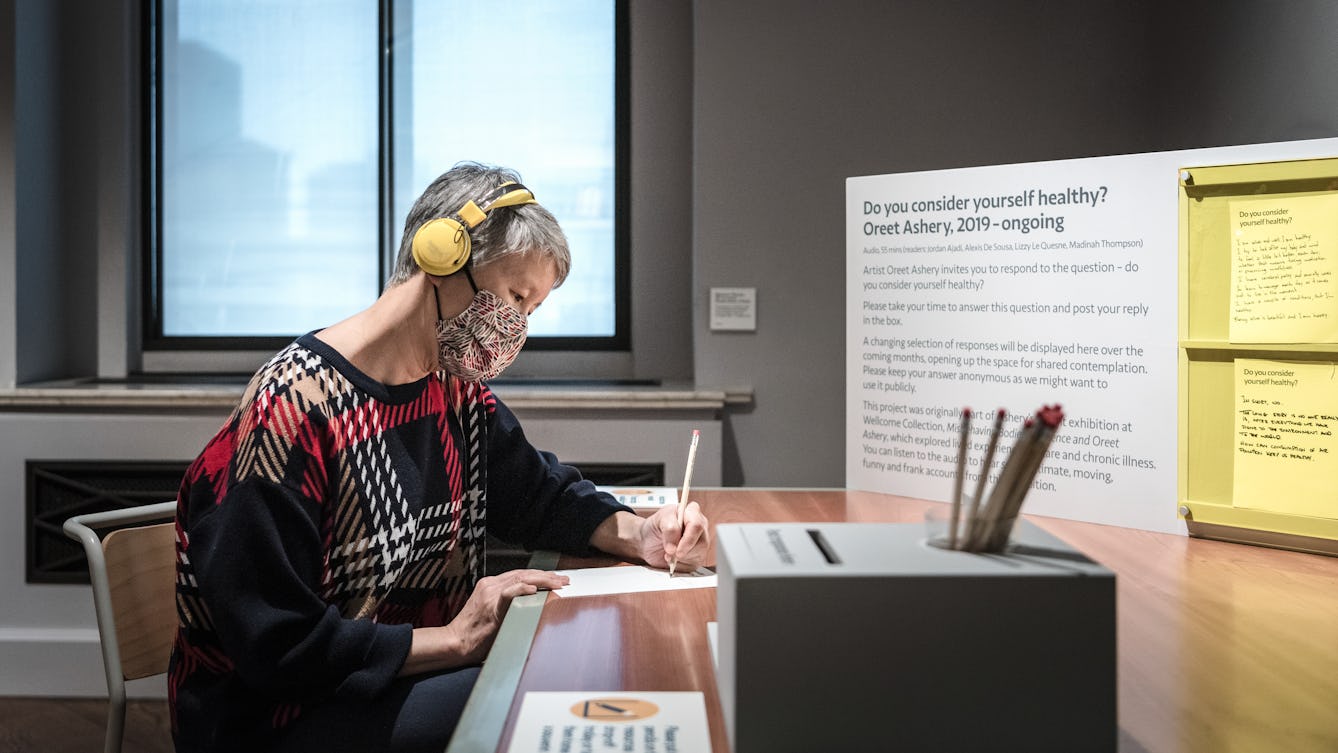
509,194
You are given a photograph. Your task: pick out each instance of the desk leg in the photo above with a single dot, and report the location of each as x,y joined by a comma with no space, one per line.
484,716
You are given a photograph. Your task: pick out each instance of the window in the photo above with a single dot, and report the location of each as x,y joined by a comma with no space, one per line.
286,151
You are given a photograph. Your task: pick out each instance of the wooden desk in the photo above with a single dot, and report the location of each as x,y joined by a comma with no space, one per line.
1223,648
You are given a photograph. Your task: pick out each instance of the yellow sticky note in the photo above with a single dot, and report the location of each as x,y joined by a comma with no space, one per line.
1286,456
1284,270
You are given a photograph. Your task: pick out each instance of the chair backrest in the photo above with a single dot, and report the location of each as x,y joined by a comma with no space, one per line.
133,574
141,575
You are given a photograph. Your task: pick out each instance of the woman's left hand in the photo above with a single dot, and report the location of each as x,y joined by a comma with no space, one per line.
662,540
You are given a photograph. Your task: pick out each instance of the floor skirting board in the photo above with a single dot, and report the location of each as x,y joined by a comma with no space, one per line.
64,663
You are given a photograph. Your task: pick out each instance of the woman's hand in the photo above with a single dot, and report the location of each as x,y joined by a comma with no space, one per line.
467,638
662,540
476,626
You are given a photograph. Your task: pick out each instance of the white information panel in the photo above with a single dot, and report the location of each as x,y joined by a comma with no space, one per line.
1015,286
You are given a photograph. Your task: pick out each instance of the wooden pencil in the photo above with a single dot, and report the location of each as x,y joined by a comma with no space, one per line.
963,439
1003,488
1048,419
683,498
970,516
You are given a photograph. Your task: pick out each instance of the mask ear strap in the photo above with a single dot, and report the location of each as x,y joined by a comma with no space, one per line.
436,294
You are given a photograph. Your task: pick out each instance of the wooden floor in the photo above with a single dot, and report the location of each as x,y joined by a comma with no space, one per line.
57,725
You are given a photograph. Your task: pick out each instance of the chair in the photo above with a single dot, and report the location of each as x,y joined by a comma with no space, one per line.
133,572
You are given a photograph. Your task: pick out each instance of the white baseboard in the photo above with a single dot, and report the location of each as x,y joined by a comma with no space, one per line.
63,662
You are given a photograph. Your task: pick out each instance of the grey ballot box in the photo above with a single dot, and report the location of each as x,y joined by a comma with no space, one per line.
865,637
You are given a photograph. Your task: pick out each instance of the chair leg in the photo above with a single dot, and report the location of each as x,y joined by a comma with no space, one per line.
115,720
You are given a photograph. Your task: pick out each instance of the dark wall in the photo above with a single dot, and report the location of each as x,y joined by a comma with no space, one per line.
1242,72
57,173
792,97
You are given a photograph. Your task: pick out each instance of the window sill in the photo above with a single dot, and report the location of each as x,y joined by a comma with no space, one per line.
222,394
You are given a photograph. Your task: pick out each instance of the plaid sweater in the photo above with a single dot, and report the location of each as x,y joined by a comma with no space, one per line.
331,515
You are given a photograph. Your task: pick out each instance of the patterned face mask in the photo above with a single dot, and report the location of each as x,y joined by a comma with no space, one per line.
482,340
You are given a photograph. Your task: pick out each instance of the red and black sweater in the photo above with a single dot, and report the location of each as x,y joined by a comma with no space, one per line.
331,515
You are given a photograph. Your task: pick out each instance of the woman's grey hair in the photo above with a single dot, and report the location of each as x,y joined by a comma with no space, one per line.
521,229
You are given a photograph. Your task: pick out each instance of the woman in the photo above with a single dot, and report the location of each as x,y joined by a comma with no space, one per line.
330,536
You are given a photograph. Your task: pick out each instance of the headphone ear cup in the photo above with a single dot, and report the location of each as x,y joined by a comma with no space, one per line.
441,247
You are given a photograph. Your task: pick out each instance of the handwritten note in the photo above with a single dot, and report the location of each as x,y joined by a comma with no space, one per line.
1286,457
1284,270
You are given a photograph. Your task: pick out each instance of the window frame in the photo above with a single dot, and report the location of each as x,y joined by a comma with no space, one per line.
232,353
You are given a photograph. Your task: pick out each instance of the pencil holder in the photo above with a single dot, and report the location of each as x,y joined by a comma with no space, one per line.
997,539
937,520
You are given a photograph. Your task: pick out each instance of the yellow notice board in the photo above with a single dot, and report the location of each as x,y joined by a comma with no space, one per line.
1258,353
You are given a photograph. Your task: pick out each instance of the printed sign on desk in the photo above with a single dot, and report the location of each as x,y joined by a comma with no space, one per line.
642,497
603,722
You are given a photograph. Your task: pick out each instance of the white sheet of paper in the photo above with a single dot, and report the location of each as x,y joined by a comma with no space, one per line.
713,635
642,497
596,581
608,721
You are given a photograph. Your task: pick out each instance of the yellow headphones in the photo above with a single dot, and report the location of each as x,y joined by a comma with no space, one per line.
441,247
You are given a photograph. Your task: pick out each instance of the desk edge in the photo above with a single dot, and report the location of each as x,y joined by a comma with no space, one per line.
484,716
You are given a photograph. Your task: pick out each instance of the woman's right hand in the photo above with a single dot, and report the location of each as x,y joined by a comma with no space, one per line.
476,626
466,639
